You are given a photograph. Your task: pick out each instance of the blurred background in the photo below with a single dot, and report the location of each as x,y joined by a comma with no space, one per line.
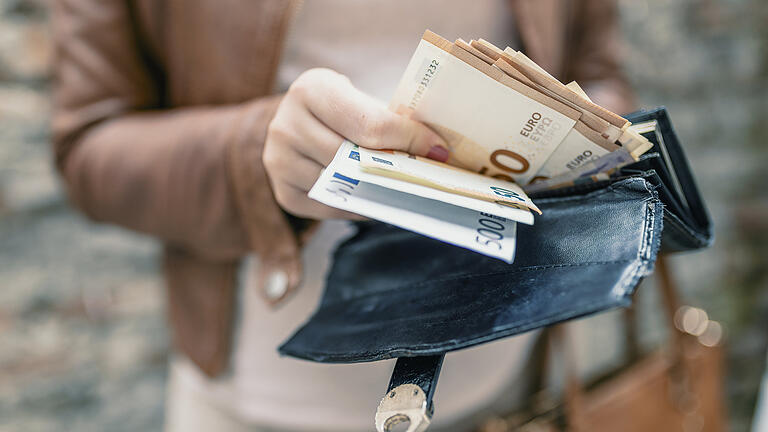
83,342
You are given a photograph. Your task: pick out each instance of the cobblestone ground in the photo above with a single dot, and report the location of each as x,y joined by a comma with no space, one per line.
83,343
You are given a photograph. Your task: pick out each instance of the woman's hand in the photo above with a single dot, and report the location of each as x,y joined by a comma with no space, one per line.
320,110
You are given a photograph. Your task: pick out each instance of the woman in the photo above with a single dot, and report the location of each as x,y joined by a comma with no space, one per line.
204,123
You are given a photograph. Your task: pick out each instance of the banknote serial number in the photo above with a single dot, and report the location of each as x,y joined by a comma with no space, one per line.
429,73
490,231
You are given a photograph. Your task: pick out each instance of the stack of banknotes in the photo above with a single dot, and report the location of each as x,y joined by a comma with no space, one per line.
511,128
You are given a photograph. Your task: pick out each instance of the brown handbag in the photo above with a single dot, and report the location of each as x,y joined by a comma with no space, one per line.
678,388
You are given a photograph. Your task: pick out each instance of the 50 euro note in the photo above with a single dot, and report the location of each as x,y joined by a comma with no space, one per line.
502,115
519,67
493,125
612,127
480,225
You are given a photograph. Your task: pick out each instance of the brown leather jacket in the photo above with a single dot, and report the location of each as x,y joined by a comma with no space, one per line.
161,110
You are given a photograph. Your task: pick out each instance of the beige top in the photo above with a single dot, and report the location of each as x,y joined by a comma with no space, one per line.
371,42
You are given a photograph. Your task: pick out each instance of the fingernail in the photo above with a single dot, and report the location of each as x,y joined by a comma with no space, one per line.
439,153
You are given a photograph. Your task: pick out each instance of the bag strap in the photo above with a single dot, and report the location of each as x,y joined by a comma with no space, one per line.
574,388
574,395
669,292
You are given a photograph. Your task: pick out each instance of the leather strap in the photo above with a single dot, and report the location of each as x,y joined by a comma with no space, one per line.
668,288
631,334
574,388
558,335
421,371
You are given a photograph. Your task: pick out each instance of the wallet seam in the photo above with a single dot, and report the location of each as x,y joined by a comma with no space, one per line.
649,223
648,248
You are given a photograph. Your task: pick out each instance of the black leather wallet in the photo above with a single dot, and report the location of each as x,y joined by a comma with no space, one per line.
392,293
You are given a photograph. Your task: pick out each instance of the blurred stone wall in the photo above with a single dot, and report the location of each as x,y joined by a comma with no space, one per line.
83,343
707,61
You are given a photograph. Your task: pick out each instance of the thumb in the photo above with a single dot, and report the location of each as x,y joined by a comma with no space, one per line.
367,123
401,132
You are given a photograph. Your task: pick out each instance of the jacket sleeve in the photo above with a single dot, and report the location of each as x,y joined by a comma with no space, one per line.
192,177
593,57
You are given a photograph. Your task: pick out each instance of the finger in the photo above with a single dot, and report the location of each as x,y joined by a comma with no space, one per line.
322,142
303,206
366,122
301,172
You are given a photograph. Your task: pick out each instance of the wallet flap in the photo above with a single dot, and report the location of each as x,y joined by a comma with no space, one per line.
675,173
666,168
392,293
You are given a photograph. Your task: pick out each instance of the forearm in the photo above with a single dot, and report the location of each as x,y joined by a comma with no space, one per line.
170,174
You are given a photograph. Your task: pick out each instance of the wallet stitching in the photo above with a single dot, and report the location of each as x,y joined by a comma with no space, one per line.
648,229
644,252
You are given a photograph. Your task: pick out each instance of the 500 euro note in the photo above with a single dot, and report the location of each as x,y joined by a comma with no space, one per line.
483,226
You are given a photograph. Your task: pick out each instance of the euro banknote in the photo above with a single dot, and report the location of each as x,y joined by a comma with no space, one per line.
507,131
444,177
504,116
343,185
